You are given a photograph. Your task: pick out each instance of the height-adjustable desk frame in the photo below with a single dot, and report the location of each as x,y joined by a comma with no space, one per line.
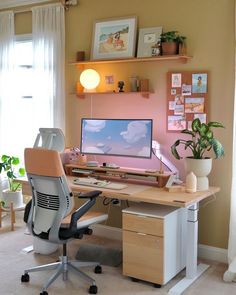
155,195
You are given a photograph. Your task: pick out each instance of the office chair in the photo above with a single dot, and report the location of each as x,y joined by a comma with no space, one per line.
52,201
51,139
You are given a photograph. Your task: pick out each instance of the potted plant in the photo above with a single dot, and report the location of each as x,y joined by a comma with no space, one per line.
202,141
170,42
13,193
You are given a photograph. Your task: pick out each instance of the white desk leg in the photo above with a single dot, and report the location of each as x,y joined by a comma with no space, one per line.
193,271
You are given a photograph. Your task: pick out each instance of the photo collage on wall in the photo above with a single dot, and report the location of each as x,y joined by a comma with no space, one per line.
187,94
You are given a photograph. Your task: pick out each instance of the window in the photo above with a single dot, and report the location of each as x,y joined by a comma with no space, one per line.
21,118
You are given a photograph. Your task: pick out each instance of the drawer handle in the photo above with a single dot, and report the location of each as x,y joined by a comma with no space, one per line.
141,234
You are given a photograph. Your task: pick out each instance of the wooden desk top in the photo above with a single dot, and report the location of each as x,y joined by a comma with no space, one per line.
145,193
142,193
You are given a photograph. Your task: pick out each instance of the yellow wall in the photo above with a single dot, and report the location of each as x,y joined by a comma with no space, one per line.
209,27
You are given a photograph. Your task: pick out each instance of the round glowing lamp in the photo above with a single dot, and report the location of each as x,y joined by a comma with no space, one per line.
89,79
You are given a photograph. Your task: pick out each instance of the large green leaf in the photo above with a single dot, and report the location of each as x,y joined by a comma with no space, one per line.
215,124
209,134
203,129
174,150
186,131
196,124
15,161
5,158
217,148
22,171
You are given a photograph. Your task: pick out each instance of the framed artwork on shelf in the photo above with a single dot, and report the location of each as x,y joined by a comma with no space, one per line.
148,42
114,38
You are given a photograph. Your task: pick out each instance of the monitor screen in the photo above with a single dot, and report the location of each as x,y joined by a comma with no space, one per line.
117,137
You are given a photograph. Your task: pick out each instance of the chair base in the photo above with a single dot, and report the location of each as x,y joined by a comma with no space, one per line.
62,267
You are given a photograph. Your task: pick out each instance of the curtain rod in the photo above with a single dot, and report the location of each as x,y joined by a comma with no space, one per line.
22,10
66,4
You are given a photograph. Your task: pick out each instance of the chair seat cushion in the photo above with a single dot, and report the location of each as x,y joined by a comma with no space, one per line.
86,220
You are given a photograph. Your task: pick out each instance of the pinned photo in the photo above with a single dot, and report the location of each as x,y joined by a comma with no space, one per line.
109,79
194,105
173,91
190,125
176,123
176,80
179,109
171,105
201,117
179,99
186,89
199,82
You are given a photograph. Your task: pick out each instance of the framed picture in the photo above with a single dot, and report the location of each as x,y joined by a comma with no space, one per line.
114,38
148,42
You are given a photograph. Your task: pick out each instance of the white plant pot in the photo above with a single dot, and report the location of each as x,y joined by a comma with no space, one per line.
15,197
201,168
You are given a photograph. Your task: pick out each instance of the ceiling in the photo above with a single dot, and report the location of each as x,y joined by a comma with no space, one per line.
15,3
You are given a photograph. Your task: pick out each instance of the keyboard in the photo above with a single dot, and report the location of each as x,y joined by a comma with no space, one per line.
90,181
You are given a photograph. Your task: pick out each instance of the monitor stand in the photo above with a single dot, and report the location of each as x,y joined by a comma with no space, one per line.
92,164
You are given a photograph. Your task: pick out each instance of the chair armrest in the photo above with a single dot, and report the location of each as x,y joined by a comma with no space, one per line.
89,195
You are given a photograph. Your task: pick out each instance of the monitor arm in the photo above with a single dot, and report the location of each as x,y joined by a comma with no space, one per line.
156,149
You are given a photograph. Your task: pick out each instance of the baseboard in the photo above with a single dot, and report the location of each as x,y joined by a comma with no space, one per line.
204,251
213,253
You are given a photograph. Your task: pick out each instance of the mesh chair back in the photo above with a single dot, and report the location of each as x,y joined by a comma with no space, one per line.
52,199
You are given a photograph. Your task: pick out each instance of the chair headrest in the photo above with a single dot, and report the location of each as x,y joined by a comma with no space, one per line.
43,162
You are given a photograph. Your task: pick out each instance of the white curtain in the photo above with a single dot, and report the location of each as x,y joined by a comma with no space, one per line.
230,274
49,63
6,83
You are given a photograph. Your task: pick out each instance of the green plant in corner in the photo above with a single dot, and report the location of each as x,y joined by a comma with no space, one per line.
7,165
202,140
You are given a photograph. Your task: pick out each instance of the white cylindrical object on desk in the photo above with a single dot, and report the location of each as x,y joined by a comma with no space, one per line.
191,183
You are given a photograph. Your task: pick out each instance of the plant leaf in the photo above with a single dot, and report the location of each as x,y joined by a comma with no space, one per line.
15,161
209,134
22,171
186,131
174,150
218,148
5,158
196,124
215,124
203,129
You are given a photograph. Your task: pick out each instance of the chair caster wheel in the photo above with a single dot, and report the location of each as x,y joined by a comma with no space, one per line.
134,280
88,231
157,285
44,293
98,269
93,289
25,278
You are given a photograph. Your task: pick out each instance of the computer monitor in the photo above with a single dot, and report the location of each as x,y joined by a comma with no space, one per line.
117,137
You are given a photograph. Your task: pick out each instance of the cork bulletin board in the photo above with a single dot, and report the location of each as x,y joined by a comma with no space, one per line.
187,99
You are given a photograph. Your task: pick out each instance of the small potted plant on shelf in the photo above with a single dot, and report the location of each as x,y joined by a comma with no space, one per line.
202,141
171,42
13,193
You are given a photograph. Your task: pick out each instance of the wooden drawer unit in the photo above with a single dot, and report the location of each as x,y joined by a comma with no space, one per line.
142,252
143,224
154,239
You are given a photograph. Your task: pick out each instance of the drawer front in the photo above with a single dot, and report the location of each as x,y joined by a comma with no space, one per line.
143,224
143,257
